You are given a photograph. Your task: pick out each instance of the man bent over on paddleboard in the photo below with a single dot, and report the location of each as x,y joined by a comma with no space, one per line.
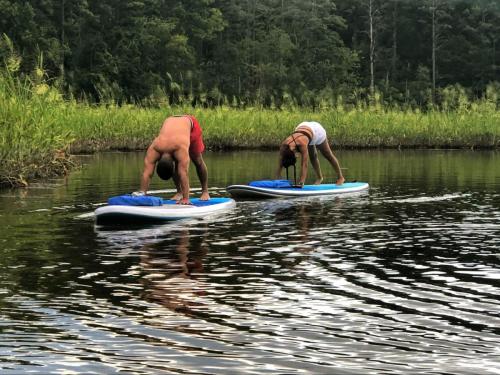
179,141
308,136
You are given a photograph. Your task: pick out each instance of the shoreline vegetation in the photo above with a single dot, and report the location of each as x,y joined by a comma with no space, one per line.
40,130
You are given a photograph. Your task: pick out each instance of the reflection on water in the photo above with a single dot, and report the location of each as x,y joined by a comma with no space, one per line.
170,275
400,279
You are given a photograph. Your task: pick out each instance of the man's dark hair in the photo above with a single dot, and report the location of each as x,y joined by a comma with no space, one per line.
165,167
288,158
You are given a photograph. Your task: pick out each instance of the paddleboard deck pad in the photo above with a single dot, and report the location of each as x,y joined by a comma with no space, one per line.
249,191
127,210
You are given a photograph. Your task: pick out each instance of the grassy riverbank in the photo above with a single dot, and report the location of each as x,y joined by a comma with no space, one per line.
39,130
129,127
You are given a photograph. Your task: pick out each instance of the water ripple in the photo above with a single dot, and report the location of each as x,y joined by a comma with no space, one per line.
399,280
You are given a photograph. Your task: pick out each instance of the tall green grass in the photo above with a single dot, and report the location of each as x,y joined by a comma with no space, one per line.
33,142
39,130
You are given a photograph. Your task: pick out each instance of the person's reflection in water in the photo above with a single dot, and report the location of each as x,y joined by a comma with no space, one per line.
304,218
171,269
298,221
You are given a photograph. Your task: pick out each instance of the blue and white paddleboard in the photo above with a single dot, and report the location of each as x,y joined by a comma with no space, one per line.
248,191
168,210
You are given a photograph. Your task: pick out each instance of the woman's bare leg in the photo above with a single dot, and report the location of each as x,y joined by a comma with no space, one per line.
326,151
313,156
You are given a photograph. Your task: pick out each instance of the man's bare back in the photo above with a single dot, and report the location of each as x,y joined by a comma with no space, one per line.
174,135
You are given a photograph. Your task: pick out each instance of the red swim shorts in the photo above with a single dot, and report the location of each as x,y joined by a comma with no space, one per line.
196,145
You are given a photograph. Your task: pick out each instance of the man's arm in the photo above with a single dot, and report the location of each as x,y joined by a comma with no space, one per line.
150,160
182,170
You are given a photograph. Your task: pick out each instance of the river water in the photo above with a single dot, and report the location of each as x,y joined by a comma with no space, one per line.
401,279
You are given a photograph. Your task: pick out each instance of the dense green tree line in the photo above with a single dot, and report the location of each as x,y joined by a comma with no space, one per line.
270,52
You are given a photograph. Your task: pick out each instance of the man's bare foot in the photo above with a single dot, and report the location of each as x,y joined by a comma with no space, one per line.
318,181
183,201
177,197
204,196
340,181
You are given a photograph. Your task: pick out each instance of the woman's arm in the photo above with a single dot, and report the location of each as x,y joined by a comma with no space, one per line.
304,153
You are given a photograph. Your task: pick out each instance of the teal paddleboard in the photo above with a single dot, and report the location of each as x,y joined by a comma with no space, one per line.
247,191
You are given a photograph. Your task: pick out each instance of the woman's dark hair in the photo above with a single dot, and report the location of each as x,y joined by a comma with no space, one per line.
165,167
288,158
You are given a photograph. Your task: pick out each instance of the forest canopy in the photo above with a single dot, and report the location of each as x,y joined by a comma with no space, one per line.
267,52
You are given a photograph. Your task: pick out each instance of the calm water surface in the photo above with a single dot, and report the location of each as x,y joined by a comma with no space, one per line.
402,279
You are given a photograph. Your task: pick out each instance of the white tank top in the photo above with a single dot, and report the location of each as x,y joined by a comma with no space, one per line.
319,133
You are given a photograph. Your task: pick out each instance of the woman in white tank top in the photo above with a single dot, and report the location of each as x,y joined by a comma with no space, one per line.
308,136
